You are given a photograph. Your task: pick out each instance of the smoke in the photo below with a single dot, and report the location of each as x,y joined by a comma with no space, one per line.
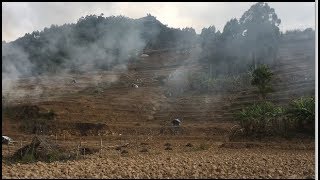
14,68
114,48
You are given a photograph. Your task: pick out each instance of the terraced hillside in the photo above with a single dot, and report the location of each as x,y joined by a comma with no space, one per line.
109,98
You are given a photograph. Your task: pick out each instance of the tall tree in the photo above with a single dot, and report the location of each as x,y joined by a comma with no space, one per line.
261,24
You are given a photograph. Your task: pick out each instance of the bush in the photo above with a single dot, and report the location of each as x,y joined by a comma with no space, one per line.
267,119
258,118
302,112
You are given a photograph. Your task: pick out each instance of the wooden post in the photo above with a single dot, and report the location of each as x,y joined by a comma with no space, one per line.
21,147
56,138
64,137
77,151
100,144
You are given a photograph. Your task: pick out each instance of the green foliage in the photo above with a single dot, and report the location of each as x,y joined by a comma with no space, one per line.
261,78
302,111
257,118
267,119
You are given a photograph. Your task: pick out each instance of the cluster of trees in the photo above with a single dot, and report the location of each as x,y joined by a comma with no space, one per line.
107,41
297,34
160,36
101,41
252,39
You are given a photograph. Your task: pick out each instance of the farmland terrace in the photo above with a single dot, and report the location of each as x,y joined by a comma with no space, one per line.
107,96
105,103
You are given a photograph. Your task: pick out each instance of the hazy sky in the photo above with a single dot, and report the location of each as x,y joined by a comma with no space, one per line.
19,18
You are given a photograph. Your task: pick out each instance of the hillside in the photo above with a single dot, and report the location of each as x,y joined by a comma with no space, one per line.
107,96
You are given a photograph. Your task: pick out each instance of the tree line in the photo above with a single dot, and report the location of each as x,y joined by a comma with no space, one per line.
108,41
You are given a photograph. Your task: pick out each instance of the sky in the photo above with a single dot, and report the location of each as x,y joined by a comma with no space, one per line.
19,18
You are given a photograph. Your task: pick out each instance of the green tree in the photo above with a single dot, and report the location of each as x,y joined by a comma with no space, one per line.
261,24
261,77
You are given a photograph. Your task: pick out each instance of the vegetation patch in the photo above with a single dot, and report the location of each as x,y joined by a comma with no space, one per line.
266,119
302,113
41,150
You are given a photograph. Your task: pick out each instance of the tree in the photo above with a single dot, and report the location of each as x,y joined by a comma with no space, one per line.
231,29
261,24
261,78
208,37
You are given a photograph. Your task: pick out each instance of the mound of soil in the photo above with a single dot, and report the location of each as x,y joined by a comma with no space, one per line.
20,112
239,145
90,128
86,150
124,152
144,150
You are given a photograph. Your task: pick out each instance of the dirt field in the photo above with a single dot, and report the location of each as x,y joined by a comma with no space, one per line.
204,159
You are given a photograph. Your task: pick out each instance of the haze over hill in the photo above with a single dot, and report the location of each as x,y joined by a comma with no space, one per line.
97,42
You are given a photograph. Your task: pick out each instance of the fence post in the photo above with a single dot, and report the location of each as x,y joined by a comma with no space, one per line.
9,148
77,151
21,147
100,144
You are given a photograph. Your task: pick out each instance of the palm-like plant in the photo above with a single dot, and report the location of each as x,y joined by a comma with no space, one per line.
256,118
302,111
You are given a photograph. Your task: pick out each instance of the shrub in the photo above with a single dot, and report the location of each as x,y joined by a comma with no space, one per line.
267,119
28,158
258,118
302,112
